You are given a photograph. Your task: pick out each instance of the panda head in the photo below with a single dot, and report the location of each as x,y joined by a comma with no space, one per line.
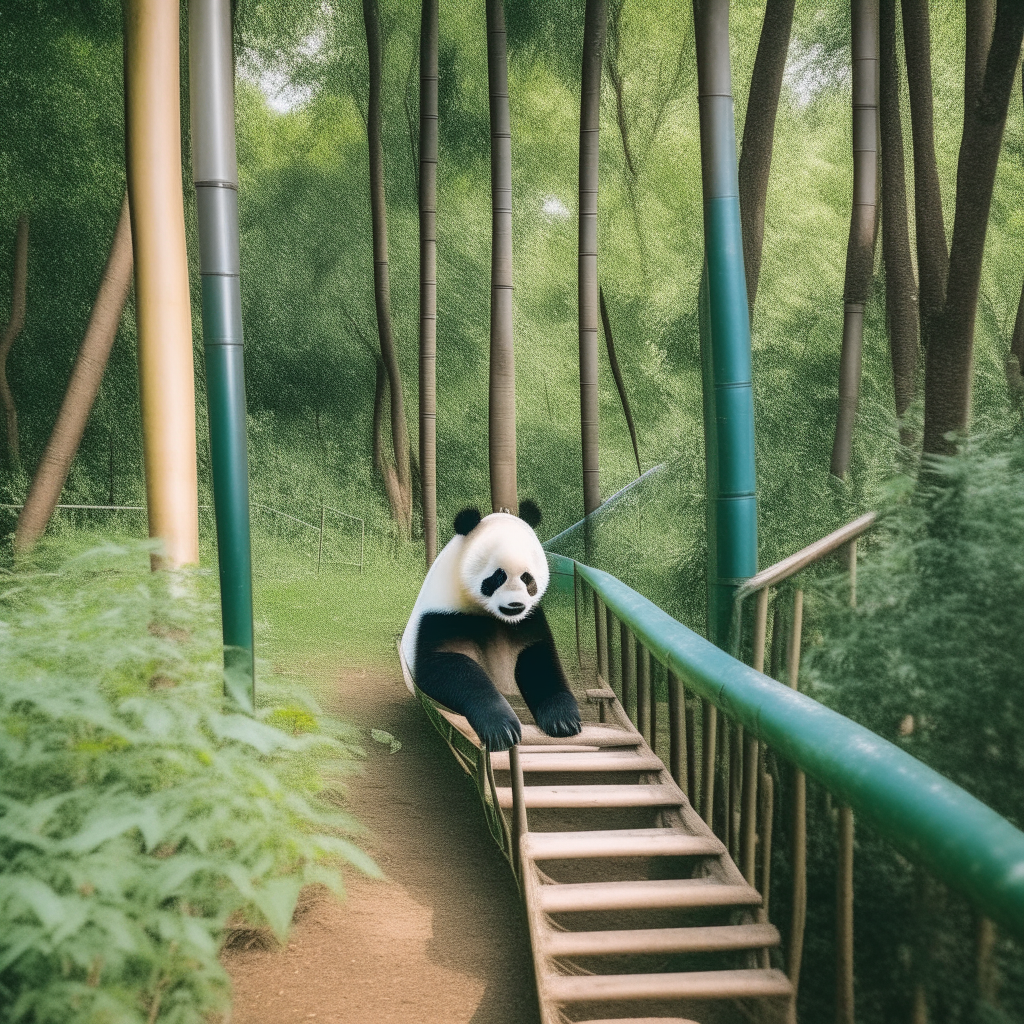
503,567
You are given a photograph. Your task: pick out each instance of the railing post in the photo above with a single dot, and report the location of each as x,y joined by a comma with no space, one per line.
627,659
643,680
798,851
677,746
709,727
852,566
844,919
519,823
601,639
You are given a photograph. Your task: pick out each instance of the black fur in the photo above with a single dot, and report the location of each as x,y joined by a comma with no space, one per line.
529,513
491,584
461,684
467,520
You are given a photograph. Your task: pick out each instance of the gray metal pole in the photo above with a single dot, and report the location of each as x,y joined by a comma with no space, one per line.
211,89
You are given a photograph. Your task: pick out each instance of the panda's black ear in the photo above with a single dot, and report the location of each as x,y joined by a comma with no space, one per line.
529,513
466,520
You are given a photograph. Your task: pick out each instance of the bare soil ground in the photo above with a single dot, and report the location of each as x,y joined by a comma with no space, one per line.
443,938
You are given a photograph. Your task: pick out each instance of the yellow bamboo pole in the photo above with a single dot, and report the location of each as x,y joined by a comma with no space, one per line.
162,311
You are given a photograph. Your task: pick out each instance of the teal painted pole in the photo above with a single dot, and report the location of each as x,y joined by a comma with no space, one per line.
215,168
724,331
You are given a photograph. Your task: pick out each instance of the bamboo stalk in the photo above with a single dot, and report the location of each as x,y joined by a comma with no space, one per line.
594,25
502,390
163,311
83,387
428,276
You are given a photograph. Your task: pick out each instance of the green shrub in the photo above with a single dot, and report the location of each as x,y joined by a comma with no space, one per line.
139,810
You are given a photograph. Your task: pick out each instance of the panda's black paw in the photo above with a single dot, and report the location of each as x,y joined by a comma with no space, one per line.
559,715
499,729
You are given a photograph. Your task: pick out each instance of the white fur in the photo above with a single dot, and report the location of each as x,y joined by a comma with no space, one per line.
499,540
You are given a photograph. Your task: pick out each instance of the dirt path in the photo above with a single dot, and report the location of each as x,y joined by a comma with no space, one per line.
443,939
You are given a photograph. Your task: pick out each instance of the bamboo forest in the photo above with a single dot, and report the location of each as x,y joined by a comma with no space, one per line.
511,512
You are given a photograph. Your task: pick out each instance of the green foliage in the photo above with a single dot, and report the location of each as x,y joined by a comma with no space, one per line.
932,657
139,809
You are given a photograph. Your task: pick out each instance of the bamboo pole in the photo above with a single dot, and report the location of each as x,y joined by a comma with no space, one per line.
724,330
162,311
594,23
215,169
428,276
502,390
83,387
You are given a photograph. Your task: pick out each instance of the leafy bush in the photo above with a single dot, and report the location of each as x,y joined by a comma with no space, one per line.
932,658
140,809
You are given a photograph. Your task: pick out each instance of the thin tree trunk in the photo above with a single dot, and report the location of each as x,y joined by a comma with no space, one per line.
502,392
594,23
979,16
1015,363
428,275
83,387
399,495
948,362
619,383
379,398
860,247
900,286
930,229
19,287
759,134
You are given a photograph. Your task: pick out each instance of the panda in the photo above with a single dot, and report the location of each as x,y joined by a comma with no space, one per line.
477,630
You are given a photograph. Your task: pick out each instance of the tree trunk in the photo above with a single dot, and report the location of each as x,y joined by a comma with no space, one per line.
594,23
502,392
379,398
619,383
19,287
932,253
900,286
860,247
428,276
1015,364
948,362
980,16
84,385
759,134
400,490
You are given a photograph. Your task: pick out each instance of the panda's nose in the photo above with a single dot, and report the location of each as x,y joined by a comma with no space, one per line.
514,607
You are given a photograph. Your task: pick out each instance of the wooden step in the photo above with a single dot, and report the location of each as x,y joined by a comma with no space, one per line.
661,940
630,842
564,747
590,735
563,761
647,894
643,1020
595,796
741,984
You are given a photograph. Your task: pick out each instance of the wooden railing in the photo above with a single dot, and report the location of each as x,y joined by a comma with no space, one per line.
734,736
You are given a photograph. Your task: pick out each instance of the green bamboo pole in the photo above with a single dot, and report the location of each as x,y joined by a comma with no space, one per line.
216,178
724,330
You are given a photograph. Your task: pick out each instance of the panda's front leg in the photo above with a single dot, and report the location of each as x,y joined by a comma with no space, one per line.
460,684
542,683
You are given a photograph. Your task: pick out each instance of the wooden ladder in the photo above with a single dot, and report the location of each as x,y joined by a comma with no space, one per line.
637,914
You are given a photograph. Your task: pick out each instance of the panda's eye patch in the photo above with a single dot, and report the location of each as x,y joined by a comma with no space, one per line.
491,584
531,584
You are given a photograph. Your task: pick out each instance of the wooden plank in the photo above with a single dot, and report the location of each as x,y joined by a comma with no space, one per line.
561,761
590,735
632,842
660,940
741,984
647,894
594,796
643,1020
565,747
